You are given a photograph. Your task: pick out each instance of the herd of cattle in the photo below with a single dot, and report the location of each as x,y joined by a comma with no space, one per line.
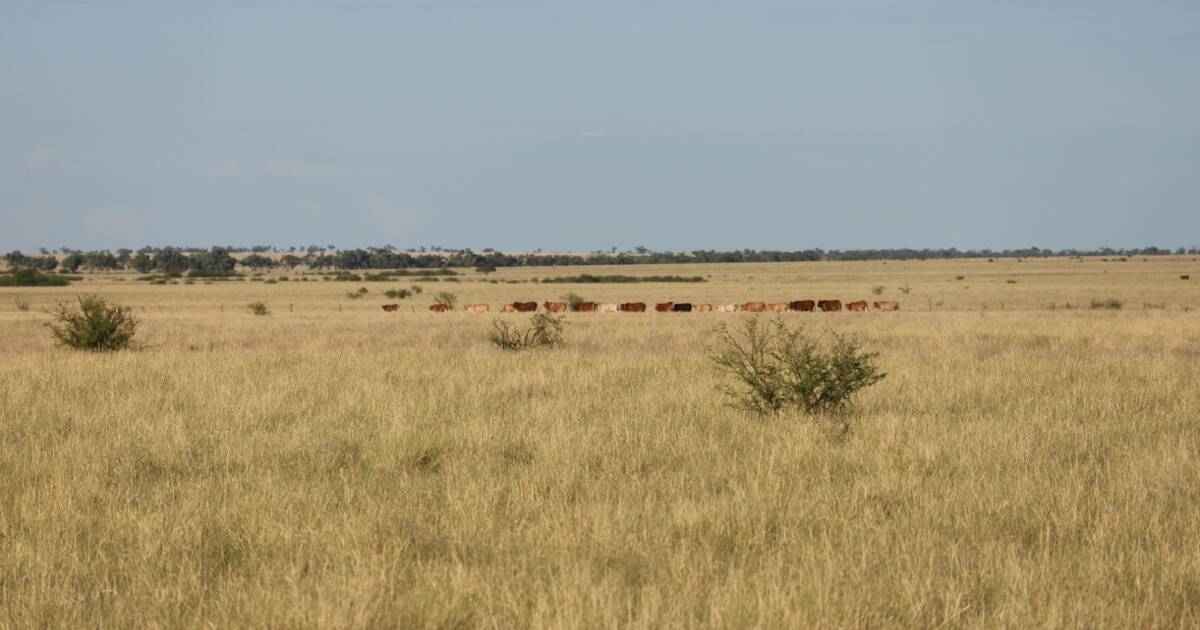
671,307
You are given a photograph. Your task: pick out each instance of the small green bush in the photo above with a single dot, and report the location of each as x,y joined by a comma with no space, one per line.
448,299
258,308
97,325
544,331
574,300
397,294
1109,304
877,290
777,367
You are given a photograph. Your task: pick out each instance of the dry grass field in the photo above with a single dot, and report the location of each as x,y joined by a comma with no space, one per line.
333,466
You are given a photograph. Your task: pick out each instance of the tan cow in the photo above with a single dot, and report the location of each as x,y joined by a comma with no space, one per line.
607,308
860,305
703,308
727,308
753,307
478,308
556,307
887,306
781,307
508,308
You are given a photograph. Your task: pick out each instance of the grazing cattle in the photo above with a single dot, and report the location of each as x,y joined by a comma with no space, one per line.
585,307
556,307
778,308
437,308
608,308
829,306
525,307
887,306
754,307
682,307
703,308
391,308
1185,277
664,307
727,308
860,305
802,305
478,308
508,308
633,307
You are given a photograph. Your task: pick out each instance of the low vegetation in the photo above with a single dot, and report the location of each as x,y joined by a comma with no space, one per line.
397,294
93,324
588,278
258,308
777,367
21,304
1111,304
543,331
446,299
34,278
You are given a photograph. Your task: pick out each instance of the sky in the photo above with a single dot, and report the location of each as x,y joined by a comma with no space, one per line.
575,125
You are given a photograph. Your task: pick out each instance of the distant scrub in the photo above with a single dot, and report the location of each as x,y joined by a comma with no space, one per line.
1109,304
588,278
33,278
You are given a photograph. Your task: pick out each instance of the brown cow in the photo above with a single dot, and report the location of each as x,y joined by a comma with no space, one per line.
682,307
524,307
391,308
437,308
478,308
1185,277
887,306
664,307
585,307
632,307
829,305
754,307
555,307
860,305
703,308
802,305
778,308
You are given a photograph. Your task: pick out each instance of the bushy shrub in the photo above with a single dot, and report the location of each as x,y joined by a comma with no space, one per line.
544,331
877,290
397,294
777,367
258,308
574,300
1109,304
33,278
97,325
447,299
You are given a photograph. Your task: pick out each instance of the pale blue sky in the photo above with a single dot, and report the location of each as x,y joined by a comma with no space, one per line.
585,124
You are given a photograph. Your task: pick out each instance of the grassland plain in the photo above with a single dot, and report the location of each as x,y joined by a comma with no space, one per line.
331,465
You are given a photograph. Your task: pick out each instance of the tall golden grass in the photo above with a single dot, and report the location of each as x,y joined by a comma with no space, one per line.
331,465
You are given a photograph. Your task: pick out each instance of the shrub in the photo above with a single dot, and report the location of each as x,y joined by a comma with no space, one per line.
97,325
905,289
544,331
416,289
258,308
574,300
878,290
33,278
21,303
777,367
448,299
397,294
1109,304
354,295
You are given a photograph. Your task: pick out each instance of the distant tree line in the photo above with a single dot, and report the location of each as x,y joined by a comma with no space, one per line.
220,261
